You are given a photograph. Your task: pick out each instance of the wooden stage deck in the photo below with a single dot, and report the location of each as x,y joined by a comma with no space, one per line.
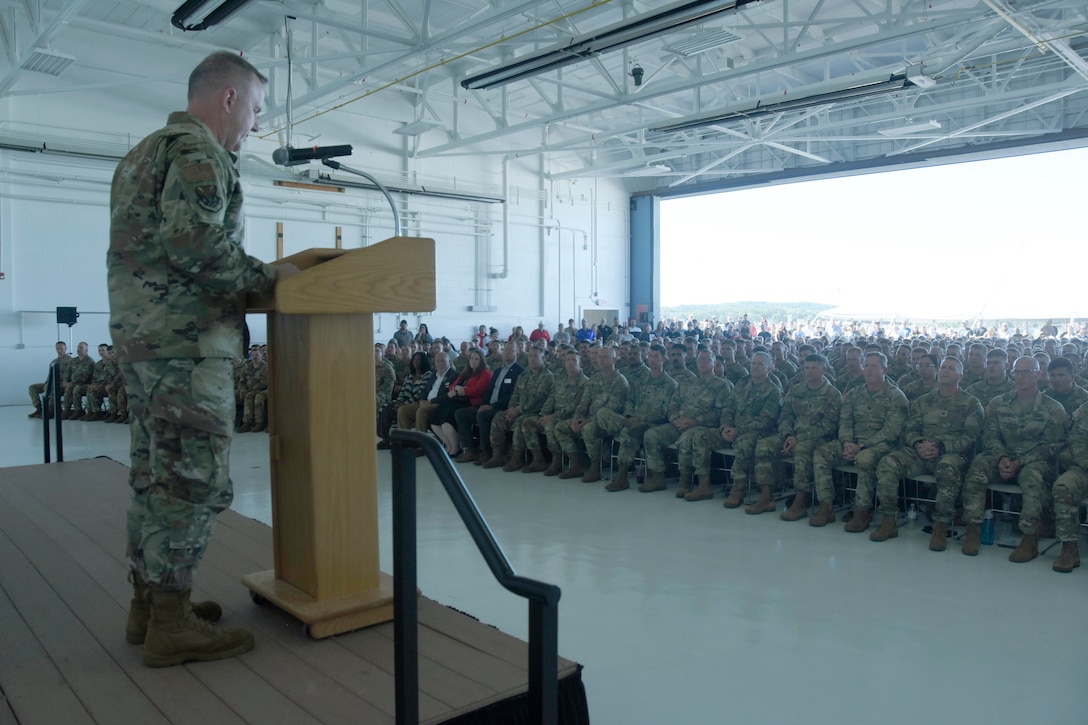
63,603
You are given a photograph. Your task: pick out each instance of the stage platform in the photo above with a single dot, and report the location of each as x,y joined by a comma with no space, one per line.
64,659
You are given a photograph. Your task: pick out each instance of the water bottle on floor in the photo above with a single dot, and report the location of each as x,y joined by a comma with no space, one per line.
912,517
988,528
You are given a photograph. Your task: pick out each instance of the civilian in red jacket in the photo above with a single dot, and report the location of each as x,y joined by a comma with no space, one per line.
468,390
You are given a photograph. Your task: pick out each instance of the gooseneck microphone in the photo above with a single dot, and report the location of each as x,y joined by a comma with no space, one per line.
287,156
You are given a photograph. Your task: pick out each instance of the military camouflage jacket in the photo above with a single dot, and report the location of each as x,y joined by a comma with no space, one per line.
986,392
1072,400
753,407
650,398
870,419
101,372
1027,436
567,395
79,370
809,414
531,391
176,269
604,390
701,399
253,377
384,378
954,422
1077,443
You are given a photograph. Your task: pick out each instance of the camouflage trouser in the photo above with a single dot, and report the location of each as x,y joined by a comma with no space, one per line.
568,439
96,393
1069,490
73,396
36,391
655,441
529,428
253,410
118,399
606,424
551,433
802,464
830,454
694,448
755,455
182,418
1034,479
905,463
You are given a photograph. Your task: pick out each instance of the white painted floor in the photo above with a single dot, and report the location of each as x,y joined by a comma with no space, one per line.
690,613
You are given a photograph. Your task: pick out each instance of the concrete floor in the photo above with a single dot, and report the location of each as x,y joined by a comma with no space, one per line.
689,613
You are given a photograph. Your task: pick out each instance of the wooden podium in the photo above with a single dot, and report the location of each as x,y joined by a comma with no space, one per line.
322,429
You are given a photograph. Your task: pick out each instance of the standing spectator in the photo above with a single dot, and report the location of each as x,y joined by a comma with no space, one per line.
403,336
423,337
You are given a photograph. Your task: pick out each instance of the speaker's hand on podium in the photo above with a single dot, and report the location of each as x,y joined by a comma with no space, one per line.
283,271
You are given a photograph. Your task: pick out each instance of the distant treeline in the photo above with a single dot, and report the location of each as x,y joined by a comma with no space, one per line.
774,311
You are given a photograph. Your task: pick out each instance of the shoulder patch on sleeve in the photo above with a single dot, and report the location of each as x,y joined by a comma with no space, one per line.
207,197
198,172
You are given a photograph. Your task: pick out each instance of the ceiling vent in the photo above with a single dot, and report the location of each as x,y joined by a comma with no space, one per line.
49,62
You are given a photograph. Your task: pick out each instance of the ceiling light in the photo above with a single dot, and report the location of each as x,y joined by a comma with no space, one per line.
910,128
619,35
50,62
416,128
894,83
649,170
702,42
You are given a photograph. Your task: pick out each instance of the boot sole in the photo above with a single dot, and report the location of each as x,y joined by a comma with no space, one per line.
1063,569
180,658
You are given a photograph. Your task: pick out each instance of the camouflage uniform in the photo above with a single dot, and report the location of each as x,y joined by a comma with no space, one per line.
753,409
531,391
954,423
79,372
735,372
848,381
253,391
1072,486
986,392
385,376
1033,437
696,444
561,405
700,399
118,394
811,416
1072,400
175,271
603,391
38,389
647,405
916,389
96,391
874,421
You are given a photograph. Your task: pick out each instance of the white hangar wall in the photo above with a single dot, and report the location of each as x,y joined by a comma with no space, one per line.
551,250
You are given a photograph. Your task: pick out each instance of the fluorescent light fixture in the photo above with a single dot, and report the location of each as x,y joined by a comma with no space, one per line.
702,42
650,170
46,61
416,128
894,83
642,27
910,128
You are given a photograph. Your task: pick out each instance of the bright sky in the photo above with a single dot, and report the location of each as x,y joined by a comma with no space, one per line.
855,241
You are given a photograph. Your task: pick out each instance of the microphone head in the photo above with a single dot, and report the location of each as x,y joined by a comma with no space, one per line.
282,156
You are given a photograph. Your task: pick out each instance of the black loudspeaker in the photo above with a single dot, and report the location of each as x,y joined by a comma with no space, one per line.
67,316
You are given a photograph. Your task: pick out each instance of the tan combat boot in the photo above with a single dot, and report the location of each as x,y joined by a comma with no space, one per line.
686,481
516,460
860,522
764,504
619,482
139,611
701,492
654,482
539,463
471,454
593,474
175,635
736,495
1069,559
497,459
972,539
939,540
888,529
556,466
797,510
1028,549
577,468
824,515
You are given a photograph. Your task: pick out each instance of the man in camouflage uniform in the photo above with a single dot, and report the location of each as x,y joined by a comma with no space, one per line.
810,418
176,275
870,424
696,404
96,391
558,408
531,391
975,368
38,389
995,379
697,443
678,368
647,406
606,390
1063,387
253,383
77,376
943,428
1023,432
385,377
117,393
1069,490
925,382
749,424
851,376
734,371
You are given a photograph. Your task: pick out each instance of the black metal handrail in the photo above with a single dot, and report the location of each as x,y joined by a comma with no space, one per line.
51,400
543,598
